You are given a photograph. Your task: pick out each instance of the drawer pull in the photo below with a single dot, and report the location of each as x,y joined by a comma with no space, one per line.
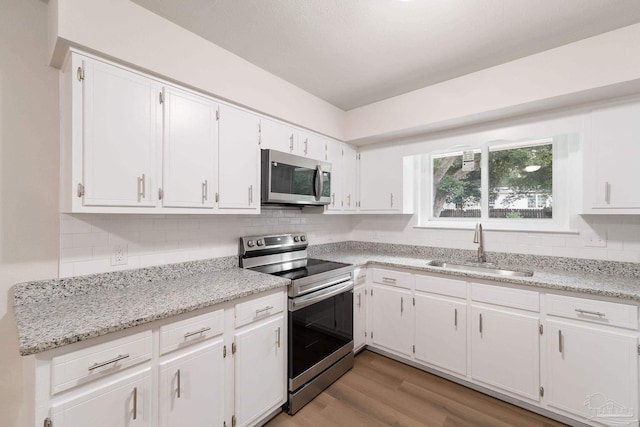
261,310
190,334
389,279
178,380
560,341
135,403
593,313
480,327
455,317
108,362
278,336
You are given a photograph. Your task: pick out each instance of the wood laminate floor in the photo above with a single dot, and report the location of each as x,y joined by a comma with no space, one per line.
379,391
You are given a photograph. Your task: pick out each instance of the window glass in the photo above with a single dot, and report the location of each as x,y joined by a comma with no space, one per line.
521,182
456,192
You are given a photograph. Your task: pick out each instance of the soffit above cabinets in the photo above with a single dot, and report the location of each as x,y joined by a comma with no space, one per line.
355,52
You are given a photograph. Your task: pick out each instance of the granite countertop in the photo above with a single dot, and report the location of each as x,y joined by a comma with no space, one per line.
51,322
583,282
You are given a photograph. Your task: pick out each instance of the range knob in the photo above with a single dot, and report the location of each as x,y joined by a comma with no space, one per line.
303,238
250,243
260,242
296,238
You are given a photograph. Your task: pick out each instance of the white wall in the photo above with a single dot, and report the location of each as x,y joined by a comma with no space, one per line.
131,34
604,65
29,222
621,232
86,240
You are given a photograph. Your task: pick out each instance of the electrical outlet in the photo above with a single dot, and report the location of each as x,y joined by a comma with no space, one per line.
119,254
595,240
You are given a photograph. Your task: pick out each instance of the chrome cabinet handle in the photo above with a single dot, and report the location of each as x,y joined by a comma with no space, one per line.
593,313
359,300
349,200
178,375
251,194
607,193
135,403
455,317
278,336
560,341
291,143
142,190
205,191
333,199
389,279
401,305
306,146
391,199
267,308
190,334
108,362
480,322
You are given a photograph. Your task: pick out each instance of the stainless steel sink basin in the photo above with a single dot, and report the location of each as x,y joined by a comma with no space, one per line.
481,267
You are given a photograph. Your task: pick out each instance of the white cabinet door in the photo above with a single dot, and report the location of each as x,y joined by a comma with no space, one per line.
277,136
441,332
239,160
334,156
359,316
613,145
505,351
192,388
121,136
312,146
123,403
592,371
190,150
349,177
392,315
260,373
380,181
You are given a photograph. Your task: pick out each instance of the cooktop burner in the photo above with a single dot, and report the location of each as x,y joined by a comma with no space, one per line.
300,268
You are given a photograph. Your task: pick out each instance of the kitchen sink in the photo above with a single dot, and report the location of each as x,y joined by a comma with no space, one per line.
481,267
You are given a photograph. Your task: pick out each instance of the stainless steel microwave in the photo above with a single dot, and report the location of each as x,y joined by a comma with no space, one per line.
294,180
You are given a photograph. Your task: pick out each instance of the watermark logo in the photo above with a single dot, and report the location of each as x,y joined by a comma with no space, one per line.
608,411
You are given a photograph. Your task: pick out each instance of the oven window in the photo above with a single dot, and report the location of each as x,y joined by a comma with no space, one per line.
319,330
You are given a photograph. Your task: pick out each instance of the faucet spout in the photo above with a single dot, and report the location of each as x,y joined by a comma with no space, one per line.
477,238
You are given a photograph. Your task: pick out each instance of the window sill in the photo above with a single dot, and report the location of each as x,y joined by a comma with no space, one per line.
525,227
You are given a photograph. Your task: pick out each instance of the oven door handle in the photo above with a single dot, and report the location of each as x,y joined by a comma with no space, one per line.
307,300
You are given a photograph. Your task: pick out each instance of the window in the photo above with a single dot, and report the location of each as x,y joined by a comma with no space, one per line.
501,182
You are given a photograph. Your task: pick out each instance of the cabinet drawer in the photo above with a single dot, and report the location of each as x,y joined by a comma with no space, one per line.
392,278
360,276
441,286
601,312
189,331
259,308
88,364
507,297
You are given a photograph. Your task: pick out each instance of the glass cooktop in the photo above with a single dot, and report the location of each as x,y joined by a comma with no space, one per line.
300,268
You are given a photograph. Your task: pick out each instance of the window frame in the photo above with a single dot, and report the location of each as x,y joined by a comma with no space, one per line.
562,199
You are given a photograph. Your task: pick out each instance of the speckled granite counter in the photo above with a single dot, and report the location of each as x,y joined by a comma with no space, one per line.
593,283
54,313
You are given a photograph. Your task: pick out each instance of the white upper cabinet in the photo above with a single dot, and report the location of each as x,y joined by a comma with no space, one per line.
278,136
334,156
349,177
381,176
239,160
190,150
121,134
312,146
612,145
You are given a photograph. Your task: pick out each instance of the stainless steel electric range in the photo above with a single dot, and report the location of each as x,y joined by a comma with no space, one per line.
320,315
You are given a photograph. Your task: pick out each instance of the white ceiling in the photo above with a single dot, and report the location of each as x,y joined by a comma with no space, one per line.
354,52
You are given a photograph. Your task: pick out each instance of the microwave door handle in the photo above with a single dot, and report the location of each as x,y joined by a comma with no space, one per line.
318,183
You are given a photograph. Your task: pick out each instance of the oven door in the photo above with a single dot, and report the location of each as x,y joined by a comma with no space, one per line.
320,331
291,179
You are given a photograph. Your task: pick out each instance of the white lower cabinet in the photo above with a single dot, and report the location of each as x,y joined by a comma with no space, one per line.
192,388
359,317
260,375
592,372
122,403
441,332
392,326
505,350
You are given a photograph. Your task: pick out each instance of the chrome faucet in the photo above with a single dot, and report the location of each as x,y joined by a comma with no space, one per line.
477,238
